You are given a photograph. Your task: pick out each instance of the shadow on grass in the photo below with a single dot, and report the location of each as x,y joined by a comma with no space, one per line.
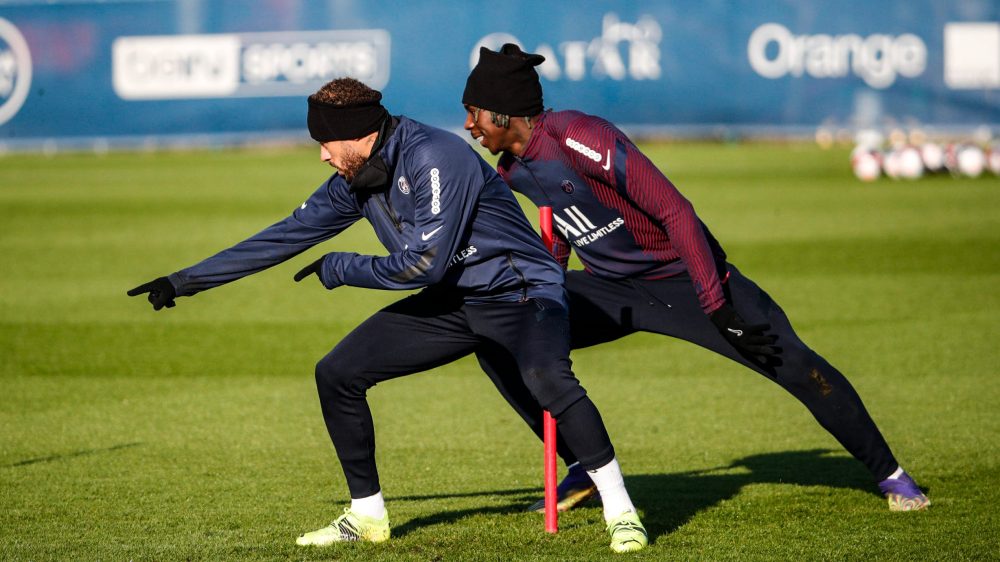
452,516
523,497
668,501
66,456
511,492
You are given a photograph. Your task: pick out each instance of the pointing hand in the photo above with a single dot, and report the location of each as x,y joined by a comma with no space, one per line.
161,292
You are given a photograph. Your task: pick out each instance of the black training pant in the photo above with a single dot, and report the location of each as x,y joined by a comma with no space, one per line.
603,310
526,341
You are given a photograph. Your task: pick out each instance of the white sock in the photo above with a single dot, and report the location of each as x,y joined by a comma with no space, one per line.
897,474
372,506
611,486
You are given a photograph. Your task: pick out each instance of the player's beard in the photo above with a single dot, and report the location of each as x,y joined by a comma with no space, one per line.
351,164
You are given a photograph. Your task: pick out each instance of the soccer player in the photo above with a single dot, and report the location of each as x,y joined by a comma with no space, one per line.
651,264
452,227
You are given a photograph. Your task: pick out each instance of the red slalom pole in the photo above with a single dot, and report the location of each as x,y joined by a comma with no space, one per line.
549,424
551,499
545,222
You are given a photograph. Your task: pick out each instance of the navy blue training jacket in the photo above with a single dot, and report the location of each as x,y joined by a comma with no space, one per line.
447,220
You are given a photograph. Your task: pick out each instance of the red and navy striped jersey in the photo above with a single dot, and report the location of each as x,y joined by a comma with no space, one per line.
611,205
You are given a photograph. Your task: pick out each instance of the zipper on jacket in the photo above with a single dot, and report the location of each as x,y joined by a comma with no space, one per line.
524,284
387,208
531,173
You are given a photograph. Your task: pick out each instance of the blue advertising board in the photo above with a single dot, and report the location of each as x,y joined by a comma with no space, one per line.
140,69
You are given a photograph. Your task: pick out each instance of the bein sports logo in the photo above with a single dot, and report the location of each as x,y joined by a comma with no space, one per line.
246,64
15,70
601,57
876,59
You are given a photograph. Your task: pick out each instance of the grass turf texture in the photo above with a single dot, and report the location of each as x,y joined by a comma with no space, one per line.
195,433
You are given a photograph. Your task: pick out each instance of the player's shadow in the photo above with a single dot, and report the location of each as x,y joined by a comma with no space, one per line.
73,454
519,500
668,501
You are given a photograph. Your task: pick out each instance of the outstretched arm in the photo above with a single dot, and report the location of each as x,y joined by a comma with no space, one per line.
620,164
327,212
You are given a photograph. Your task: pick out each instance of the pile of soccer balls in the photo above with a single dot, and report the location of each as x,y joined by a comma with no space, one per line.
910,161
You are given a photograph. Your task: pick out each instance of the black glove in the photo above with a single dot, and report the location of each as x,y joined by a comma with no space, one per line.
747,339
308,270
161,292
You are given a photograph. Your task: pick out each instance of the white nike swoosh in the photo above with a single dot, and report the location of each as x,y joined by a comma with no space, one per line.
607,165
425,236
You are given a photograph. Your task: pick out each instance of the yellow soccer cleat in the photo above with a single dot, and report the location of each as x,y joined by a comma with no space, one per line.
349,527
627,533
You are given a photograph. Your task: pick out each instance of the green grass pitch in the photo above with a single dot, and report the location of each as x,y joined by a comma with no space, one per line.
195,433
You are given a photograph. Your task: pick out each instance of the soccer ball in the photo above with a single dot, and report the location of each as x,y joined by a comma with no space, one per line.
971,161
866,164
933,156
993,159
910,164
891,164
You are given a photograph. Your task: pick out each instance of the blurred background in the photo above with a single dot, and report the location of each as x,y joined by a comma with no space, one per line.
98,75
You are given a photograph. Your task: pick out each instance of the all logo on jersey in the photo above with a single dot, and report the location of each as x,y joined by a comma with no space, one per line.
580,223
404,186
579,229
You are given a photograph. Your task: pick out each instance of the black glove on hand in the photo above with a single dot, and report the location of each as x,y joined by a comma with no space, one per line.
747,339
161,292
308,270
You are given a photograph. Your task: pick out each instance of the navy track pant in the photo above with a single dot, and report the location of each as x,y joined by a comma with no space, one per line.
603,310
527,341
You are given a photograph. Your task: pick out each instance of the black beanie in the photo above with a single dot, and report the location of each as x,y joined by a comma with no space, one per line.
505,82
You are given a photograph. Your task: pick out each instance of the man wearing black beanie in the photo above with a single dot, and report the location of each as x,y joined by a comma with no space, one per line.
452,228
651,264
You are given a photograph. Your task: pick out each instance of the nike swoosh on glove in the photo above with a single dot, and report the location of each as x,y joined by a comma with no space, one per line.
749,339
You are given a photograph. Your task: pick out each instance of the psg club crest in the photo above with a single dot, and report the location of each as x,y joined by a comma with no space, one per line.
404,186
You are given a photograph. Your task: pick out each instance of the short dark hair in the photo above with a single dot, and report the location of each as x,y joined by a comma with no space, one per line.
346,91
